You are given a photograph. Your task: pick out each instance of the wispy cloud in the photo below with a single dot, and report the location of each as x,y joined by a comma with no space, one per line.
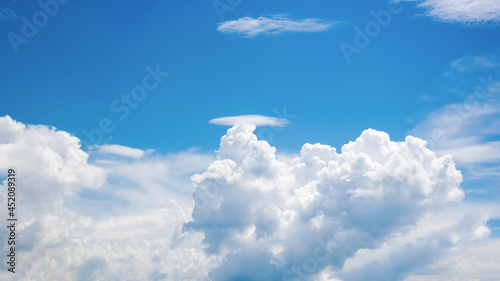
468,130
250,27
463,130
478,261
7,13
257,120
464,11
122,151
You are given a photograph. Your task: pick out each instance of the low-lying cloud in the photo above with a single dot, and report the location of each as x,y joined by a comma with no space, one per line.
376,206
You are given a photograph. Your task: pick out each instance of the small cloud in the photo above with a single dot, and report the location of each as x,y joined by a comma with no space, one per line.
7,13
250,27
122,151
257,120
463,11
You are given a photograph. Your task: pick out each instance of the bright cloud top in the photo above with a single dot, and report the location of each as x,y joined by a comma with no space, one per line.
465,11
47,159
251,27
254,208
257,120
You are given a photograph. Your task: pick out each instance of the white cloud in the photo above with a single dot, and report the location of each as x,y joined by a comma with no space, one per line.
121,150
477,262
430,240
151,181
464,11
82,219
48,161
461,130
467,130
253,208
251,27
376,198
480,153
68,246
257,120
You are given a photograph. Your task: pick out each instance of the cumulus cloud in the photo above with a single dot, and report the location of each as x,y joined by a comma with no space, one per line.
251,27
463,11
99,217
145,245
256,215
468,130
279,220
257,120
49,161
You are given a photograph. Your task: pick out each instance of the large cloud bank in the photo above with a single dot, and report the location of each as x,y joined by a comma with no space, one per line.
115,219
376,210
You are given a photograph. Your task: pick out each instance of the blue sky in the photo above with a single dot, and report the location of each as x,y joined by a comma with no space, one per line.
433,68
90,53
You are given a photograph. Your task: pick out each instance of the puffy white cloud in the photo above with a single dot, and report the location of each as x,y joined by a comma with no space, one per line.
257,120
49,163
465,11
110,218
145,245
257,215
273,219
251,27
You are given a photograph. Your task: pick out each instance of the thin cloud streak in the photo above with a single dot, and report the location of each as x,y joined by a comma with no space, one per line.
251,27
257,120
122,151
